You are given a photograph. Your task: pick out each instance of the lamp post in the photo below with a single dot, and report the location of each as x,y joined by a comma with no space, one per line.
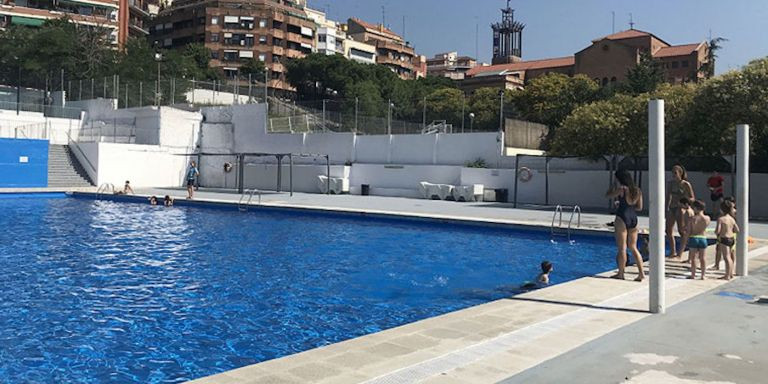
501,111
158,59
471,121
390,105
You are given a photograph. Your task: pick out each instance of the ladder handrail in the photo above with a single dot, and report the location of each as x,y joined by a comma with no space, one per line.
576,209
103,188
243,206
559,209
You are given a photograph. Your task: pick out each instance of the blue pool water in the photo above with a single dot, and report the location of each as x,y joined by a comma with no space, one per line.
98,291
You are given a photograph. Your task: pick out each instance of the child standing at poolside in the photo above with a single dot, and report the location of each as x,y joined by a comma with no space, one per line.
726,231
685,230
698,239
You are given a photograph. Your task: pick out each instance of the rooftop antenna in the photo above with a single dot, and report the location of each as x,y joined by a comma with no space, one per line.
477,39
613,21
403,27
631,21
383,16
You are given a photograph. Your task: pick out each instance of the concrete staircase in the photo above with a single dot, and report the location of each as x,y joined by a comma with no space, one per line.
64,170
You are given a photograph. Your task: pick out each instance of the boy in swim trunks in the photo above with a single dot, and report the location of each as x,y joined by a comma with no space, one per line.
726,231
698,239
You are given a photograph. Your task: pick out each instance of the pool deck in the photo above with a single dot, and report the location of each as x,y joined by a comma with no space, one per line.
493,342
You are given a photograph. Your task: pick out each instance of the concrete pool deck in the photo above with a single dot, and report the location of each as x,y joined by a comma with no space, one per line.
487,343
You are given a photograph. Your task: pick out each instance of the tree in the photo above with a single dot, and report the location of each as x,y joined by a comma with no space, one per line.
551,98
445,104
253,68
485,104
708,67
645,77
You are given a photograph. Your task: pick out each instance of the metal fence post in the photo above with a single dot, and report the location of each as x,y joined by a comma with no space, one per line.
357,104
141,91
517,170
546,181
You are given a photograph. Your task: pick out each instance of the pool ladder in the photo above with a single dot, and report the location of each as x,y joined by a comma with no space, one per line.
246,198
103,188
559,230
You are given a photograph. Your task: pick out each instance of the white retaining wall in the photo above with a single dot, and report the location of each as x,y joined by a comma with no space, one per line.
37,126
143,165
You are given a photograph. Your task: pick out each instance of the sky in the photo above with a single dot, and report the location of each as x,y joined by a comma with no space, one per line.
556,28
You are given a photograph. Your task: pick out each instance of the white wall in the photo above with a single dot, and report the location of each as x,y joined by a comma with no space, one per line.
206,96
34,125
305,177
143,165
178,129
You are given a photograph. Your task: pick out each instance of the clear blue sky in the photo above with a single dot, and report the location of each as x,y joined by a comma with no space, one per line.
562,27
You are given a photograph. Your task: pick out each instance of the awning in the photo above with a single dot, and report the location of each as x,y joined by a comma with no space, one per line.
306,31
231,19
227,35
307,46
28,21
246,54
246,18
94,3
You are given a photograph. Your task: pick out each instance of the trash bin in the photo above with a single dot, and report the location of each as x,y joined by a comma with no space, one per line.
502,195
365,189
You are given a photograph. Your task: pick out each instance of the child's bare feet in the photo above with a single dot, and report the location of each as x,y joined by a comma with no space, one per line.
618,276
639,278
715,267
724,278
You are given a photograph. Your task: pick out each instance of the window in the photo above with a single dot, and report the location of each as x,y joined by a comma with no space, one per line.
262,40
263,23
262,57
214,20
684,63
249,40
675,64
214,37
215,55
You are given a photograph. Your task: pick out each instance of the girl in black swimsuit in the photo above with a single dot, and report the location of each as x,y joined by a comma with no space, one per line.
625,226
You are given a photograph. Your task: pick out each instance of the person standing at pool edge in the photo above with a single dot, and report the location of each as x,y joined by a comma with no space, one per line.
678,188
715,184
192,174
625,225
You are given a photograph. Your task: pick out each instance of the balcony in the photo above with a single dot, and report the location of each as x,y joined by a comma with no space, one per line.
386,60
295,37
277,67
278,50
140,8
293,54
278,33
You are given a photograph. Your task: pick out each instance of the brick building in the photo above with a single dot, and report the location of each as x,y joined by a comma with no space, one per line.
606,60
121,18
239,30
391,50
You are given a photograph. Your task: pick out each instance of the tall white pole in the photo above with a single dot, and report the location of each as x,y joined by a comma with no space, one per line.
656,212
742,198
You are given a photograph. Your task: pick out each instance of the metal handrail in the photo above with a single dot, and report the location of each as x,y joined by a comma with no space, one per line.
103,187
77,146
559,209
576,209
249,193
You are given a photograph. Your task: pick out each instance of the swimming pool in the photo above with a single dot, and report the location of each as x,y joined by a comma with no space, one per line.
96,291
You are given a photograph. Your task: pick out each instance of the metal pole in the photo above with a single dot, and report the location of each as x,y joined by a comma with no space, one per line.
62,83
546,181
93,87
463,102
193,91
501,112
357,105
250,88
266,87
173,90
742,199
656,213
104,88
389,117
328,174
290,173
424,115
18,87
324,129
157,87
126,95
517,170
279,173
241,173
80,92
141,93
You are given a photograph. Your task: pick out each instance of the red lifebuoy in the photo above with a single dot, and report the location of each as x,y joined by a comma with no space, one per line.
524,174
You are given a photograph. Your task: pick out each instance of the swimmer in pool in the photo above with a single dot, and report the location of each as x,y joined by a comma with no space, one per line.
543,279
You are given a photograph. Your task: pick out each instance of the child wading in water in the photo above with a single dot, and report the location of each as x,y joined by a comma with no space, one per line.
732,212
698,240
543,279
726,231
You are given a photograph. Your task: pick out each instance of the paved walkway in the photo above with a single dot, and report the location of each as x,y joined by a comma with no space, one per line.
483,211
720,336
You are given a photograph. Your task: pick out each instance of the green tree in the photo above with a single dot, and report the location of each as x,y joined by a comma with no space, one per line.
550,99
645,77
485,104
445,104
715,45
253,68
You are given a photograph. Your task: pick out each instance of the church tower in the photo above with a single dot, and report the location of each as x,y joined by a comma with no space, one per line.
507,38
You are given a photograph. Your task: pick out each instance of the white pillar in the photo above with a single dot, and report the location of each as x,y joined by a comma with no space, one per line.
656,212
742,198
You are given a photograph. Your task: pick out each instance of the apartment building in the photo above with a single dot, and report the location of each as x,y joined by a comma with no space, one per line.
239,30
450,65
121,18
391,50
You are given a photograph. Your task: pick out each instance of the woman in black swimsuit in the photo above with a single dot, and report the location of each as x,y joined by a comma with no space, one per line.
625,226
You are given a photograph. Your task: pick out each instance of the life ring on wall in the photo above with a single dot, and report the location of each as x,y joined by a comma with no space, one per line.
524,174
227,167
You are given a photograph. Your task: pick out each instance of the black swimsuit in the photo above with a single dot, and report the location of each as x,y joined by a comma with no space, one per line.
627,213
